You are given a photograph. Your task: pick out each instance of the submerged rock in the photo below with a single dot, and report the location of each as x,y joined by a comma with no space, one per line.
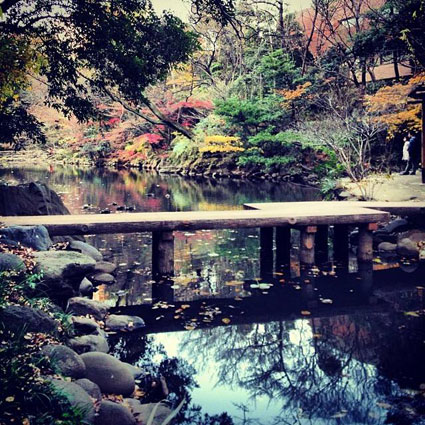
112,375
387,247
111,413
81,306
36,237
65,361
407,248
116,322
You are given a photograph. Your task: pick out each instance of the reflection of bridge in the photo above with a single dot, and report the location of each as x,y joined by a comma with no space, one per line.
312,219
354,293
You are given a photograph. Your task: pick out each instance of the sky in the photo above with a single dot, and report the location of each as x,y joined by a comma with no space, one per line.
180,7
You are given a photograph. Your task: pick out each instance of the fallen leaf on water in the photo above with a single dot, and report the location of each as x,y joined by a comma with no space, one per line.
411,313
10,399
384,405
185,306
226,320
327,301
339,415
305,313
189,327
234,283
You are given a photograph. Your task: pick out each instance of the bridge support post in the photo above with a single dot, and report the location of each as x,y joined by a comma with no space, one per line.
266,251
307,244
162,255
322,248
283,248
341,243
365,247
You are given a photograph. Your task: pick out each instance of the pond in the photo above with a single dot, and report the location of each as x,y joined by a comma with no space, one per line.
332,345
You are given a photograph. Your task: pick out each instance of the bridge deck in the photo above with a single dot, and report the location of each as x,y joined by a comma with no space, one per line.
282,214
396,208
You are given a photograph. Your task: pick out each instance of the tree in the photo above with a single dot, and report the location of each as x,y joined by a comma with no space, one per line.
86,47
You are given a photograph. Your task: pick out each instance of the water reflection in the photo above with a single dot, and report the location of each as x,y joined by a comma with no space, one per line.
363,366
205,259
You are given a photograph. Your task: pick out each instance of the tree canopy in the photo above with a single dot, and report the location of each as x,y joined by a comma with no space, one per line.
80,48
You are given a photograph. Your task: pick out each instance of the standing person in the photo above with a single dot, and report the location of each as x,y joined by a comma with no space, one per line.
414,150
405,158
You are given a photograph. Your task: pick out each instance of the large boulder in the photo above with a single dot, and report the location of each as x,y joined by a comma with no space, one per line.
36,237
111,413
89,343
77,397
82,306
407,248
17,317
112,375
116,322
90,388
58,265
11,262
86,249
65,361
30,199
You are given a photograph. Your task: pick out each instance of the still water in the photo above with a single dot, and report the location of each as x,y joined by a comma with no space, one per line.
328,346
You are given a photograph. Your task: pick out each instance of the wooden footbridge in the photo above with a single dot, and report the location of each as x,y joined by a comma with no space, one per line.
312,219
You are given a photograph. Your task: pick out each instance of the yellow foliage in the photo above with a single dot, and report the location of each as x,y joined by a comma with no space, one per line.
223,144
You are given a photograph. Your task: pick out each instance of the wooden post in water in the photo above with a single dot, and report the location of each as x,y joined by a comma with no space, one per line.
341,243
307,242
162,255
266,251
283,248
322,249
365,247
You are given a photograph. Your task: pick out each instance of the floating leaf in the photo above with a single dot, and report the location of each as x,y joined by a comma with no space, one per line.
226,320
305,312
327,301
411,314
339,415
384,405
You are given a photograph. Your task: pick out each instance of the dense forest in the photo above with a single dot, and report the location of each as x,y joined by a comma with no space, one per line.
242,87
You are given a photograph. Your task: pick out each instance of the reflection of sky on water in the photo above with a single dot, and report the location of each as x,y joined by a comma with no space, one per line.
355,392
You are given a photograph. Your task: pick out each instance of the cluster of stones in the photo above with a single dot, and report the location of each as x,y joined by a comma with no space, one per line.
84,359
401,238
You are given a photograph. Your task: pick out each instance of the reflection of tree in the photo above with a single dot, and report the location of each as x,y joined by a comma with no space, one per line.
144,352
287,361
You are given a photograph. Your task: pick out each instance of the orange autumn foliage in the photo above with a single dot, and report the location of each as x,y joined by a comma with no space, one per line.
390,106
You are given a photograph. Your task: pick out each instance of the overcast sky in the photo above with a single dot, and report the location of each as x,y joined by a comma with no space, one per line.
180,7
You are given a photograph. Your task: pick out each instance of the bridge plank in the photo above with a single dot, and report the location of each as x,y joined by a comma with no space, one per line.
294,214
396,208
